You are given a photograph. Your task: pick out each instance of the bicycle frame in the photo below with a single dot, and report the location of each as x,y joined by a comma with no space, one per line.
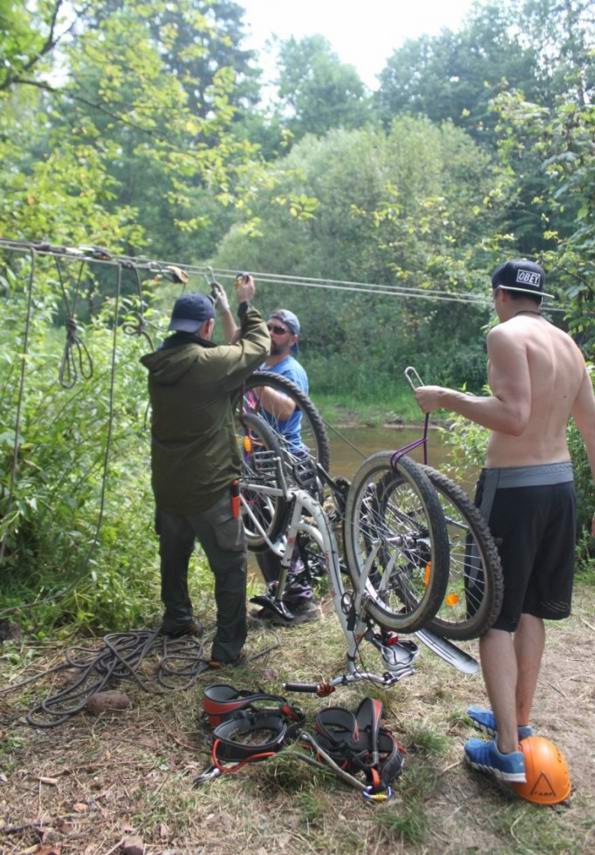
350,609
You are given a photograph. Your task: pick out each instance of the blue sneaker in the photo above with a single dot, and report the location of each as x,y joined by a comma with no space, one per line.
486,720
485,756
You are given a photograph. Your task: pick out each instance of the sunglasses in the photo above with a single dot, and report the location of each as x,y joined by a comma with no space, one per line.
276,329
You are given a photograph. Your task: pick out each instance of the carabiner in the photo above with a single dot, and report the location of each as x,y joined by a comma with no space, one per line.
211,773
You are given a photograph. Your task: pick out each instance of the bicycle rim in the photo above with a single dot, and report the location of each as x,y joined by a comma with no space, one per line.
314,446
474,593
394,527
259,448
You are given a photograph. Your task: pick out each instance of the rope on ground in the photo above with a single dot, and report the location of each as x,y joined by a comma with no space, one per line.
122,657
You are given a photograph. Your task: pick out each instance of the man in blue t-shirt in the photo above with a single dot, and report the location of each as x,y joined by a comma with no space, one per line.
284,329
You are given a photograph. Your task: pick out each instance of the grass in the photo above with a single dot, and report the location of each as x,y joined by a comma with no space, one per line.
94,781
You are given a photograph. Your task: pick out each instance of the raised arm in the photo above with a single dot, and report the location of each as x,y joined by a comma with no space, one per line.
231,331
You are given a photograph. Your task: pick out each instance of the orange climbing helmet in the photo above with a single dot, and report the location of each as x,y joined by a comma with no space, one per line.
548,780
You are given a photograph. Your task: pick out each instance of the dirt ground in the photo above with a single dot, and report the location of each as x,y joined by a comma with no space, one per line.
89,785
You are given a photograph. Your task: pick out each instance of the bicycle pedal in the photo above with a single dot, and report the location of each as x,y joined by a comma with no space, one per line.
398,655
274,606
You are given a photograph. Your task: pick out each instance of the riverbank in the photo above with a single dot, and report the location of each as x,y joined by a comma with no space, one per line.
400,412
342,410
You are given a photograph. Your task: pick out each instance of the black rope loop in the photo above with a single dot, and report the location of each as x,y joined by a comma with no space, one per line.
76,359
139,326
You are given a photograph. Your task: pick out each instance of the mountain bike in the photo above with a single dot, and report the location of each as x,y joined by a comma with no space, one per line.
473,596
383,517
363,614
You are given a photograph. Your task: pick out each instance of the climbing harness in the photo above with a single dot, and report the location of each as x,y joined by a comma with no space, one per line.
358,744
347,743
221,701
243,731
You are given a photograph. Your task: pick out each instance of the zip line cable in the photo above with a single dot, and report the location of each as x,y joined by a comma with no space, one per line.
97,254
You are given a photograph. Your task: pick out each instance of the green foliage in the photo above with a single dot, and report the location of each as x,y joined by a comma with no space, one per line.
558,145
469,445
137,142
136,126
55,548
396,209
540,48
317,91
458,73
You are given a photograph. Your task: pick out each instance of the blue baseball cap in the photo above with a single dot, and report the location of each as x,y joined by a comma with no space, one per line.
190,312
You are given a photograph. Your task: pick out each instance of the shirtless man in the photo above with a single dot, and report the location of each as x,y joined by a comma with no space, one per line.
538,380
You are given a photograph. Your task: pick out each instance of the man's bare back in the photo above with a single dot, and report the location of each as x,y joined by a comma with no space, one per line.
538,380
547,369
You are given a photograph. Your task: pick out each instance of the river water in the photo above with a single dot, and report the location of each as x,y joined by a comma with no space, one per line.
345,460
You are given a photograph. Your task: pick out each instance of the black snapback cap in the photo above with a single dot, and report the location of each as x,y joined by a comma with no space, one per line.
521,275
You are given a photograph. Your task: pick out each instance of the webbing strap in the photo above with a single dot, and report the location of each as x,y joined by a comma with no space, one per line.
357,742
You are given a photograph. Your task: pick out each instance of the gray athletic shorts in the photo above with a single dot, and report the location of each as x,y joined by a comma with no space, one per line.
531,512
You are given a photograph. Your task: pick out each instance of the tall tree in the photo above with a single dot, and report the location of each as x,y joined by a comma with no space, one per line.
316,90
455,75
418,207
124,119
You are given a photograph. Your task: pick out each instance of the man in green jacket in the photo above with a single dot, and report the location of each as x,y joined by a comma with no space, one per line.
195,461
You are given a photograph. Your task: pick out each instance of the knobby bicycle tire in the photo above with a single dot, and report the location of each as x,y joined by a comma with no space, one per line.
271,511
475,585
314,436
405,543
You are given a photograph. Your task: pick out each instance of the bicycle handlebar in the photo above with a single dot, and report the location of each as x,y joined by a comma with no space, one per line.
301,687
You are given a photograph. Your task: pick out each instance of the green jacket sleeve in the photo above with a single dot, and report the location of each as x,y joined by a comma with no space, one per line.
229,365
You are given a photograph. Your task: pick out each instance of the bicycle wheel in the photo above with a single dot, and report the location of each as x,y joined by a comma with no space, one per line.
394,527
308,442
262,513
475,585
